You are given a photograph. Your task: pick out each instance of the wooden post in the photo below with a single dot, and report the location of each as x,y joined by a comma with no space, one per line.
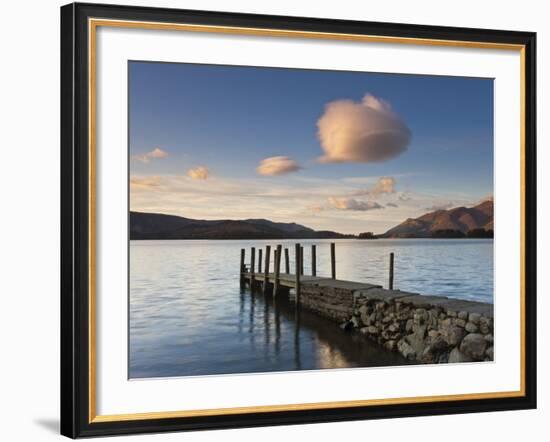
333,260
260,261
287,262
391,272
277,264
252,265
313,260
266,268
301,260
297,280
242,271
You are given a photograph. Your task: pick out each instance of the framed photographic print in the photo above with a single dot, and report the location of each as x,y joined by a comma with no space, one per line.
278,220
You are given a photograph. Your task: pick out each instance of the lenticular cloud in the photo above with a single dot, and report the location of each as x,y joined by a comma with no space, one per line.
363,132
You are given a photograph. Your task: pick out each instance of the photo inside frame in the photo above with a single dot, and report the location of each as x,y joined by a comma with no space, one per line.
300,219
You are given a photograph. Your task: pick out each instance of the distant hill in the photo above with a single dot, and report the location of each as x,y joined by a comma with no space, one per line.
447,223
160,226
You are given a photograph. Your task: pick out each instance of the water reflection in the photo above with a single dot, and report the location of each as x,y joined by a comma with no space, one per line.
188,315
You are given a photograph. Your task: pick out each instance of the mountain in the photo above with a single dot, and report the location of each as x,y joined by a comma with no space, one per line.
453,222
160,226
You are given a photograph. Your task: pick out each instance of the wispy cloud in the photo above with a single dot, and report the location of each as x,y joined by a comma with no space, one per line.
156,153
364,132
440,206
146,182
353,204
198,173
280,165
384,185
391,205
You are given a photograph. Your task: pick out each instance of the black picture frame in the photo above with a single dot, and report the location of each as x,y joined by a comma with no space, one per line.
75,220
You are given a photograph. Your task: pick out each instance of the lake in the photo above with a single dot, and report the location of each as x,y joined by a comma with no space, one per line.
188,316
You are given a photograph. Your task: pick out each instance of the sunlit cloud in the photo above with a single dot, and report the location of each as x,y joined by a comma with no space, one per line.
353,204
384,185
146,182
156,153
391,205
280,165
364,132
198,173
440,206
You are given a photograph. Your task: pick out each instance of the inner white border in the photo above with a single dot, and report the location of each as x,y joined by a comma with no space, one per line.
116,395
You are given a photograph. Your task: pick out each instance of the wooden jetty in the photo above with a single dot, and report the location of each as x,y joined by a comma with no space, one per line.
276,282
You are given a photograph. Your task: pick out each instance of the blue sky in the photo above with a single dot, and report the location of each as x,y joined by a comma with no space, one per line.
198,134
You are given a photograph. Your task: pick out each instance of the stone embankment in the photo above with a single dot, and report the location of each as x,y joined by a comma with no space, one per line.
426,329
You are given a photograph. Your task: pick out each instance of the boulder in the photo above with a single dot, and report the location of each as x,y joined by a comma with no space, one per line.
457,356
406,350
452,335
474,317
489,354
471,327
463,315
474,345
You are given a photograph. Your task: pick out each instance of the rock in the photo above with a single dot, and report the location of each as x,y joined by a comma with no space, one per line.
433,333
431,352
474,317
489,338
451,313
409,325
474,345
420,330
457,356
452,335
355,321
372,330
380,306
346,325
443,358
371,319
390,345
489,353
447,322
460,322
471,327
393,328
463,315
406,350
483,328
364,330
420,316
485,325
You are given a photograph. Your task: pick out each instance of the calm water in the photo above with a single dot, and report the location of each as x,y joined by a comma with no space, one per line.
188,316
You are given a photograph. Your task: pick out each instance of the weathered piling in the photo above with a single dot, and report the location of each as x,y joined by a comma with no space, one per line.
266,268
301,260
252,265
313,260
243,269
277,264
390,283
260,260
287,262
333,260
297,271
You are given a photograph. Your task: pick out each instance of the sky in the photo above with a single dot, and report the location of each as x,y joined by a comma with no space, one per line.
333,150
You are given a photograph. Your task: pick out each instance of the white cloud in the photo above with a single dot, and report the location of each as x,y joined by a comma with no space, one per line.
363,132
391,205
198,173
353,204
277,166
156,153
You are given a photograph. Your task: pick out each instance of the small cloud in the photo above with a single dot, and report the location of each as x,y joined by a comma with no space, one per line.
404,197
353,204
384,185
391,205
144,182
277,166
440,206
156,153
364,132
198,173
316,208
